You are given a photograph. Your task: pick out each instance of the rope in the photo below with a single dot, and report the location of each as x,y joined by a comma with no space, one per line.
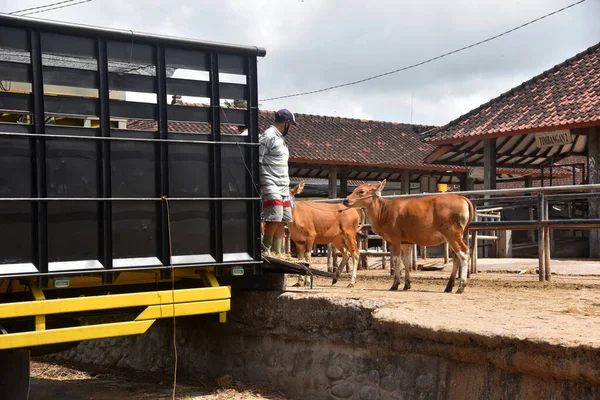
336,211
166,200
320,209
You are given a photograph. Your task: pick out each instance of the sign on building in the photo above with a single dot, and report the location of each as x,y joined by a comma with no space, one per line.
549,139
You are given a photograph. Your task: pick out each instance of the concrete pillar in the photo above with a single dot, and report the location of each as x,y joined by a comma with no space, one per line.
405,182
593,150
489,164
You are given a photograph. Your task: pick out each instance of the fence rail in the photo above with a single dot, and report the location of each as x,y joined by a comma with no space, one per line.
488,202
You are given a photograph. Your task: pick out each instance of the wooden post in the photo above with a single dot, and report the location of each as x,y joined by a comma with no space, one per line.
504,244
333,182
332,195
343,182
414,258
424,184
384,249
530,233
405,182
392,261
541,254
463,182
593,175
547,254
446,250
475,253
489,164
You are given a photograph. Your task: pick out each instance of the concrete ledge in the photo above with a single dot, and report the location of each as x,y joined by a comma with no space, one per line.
321,346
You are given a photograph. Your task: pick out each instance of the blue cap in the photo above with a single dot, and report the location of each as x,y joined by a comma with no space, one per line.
285,115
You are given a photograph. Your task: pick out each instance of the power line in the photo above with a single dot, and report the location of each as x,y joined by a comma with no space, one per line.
426,61
48,7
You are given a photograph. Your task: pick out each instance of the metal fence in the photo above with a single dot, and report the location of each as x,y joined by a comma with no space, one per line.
538,198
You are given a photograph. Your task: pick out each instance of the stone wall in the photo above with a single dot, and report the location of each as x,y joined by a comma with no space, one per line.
339,348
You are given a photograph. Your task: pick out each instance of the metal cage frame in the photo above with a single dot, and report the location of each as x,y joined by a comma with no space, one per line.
41,38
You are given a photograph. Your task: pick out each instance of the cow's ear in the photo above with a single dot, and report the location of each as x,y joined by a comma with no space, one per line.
300,187
380,186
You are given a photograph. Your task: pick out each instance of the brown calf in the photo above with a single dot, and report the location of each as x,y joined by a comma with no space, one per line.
426,221
323,223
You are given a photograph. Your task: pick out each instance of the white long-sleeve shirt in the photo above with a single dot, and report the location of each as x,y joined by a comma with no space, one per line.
273,159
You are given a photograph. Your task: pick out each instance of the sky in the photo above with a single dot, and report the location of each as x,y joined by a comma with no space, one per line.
313,44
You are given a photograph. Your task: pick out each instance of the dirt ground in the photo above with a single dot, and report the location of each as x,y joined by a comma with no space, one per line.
51,381
565,311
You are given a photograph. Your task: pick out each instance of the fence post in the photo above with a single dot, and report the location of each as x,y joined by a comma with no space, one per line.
541,238
547,253
475,253
446,252
504,244
414,257
383,249
547,242
392,262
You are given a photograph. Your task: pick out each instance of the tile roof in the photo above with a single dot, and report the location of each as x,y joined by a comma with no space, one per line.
353,141
565,96
321,139
327,139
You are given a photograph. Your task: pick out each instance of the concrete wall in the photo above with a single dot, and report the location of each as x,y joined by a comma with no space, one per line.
320,348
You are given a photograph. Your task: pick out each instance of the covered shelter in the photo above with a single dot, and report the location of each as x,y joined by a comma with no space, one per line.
340,150
550,121
332,153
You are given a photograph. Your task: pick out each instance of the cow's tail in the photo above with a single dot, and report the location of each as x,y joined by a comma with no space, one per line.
471,218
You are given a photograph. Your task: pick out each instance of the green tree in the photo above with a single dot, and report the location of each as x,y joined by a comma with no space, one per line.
236,104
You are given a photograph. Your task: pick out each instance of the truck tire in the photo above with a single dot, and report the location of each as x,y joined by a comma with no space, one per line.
14,374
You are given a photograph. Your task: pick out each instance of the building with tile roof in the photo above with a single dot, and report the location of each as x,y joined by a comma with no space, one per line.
360,150
557,106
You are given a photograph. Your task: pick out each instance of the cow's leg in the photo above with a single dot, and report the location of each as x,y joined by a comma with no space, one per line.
349,243
455,263
340,267
463,257
310,242
407,260
454,235
399,264
301,254
355,261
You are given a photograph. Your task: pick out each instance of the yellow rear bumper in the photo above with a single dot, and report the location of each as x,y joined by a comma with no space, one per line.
158,304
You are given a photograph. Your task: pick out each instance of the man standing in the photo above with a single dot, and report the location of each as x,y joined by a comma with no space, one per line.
275,180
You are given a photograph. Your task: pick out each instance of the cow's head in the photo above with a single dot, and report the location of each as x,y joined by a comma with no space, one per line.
364,195
297,189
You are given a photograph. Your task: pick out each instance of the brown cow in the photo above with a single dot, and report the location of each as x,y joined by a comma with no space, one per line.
426,221
324,223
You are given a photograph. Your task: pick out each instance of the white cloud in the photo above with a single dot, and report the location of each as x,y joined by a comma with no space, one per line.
312,44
